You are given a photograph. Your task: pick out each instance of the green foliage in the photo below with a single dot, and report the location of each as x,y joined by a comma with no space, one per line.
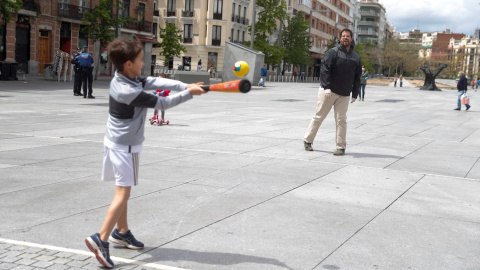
274,12
99,21
296,42
332,43
170,45
366,51
8,8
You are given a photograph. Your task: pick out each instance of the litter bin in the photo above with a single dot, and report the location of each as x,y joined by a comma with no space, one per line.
9,71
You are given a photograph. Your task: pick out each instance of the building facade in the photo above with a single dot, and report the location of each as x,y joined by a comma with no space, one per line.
43,28
206,26
371,27
435,45
464,55
326,20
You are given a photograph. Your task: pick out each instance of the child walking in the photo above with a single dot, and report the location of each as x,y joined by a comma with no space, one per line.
162,93
124,138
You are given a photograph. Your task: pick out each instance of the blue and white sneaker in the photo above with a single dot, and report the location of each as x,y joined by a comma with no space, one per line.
127,239
100,249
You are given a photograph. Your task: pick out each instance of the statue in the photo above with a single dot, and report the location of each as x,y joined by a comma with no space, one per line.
430,78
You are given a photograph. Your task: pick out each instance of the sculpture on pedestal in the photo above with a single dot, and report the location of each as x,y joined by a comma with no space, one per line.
430,77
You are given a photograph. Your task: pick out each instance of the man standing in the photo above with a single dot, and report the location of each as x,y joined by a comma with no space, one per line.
340,77
86,61
462,89
77,84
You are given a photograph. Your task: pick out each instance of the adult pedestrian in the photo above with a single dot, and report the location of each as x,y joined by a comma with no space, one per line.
86,63
199,65
395,81
263,74
77,83
340,77
401,80
363,84
462,89
473,84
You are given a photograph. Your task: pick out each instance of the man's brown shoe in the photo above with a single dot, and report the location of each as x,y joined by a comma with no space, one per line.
339,152
308,146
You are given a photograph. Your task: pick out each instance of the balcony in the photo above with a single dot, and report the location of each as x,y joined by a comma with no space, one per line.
187,40
369,13
156,13
72,11
31,5
187,13
216,42
217,16
140,26
368,23
170,13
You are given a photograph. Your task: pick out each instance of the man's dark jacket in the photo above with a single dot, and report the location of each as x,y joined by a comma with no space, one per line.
341,70
462,83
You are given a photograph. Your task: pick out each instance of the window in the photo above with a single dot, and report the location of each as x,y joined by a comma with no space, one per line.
216,35
126,8
233,12
141,12
171,6
187,33
243,36
231,35
217,9
188,5
238,36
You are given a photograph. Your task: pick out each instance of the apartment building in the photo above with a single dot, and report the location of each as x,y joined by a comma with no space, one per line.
206,26
464,55
326,19
42,28
371,27
436,44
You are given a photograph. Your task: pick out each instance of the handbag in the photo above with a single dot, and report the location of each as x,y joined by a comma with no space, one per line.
465,99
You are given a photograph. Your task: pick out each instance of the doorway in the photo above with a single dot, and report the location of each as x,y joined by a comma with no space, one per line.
22,44
43,50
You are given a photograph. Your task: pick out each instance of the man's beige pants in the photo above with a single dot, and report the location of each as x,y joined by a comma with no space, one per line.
324,105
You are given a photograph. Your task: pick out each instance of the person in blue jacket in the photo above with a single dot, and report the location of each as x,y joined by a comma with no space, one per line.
263,74
85,61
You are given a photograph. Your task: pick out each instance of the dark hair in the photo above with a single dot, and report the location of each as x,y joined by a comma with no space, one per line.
347,30
122,50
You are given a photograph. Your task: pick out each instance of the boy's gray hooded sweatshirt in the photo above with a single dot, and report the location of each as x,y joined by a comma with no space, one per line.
129,103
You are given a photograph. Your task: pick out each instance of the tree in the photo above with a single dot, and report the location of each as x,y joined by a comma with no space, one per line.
296,42
401,57
333,42
170,45
274,12
8,8
367,54
99,21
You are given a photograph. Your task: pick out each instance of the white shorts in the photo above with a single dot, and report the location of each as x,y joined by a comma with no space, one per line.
121,167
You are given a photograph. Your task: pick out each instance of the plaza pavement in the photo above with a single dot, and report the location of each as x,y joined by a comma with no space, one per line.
228,185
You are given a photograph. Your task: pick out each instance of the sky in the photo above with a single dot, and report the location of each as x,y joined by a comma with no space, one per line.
460,16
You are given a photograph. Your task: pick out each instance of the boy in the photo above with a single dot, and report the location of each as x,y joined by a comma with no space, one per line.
124,137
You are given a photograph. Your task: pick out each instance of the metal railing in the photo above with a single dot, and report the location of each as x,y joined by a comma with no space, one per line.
31,5
216,42
217,16
187,13
156,13
187,40
72,11
140,26
171,13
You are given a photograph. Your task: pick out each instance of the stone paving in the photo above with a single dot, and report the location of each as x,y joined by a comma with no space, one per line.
228,185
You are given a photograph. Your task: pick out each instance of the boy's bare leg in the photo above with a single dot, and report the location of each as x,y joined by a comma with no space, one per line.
122,224
115,211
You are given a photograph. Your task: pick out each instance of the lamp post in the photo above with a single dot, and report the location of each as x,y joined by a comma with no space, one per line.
253,23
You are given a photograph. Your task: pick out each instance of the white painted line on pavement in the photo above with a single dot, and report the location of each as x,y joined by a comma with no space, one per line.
88,253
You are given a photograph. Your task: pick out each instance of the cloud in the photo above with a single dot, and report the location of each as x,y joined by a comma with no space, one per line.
460,16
